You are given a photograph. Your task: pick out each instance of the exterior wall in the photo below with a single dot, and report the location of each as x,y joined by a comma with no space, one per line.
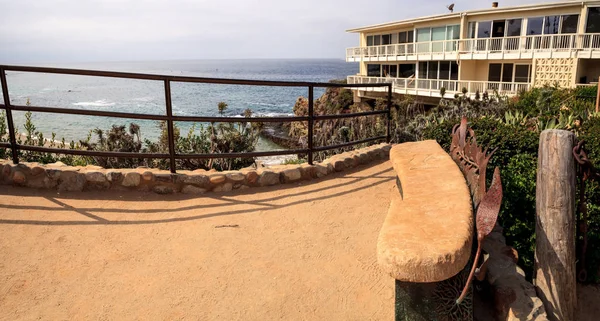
467,69
555,71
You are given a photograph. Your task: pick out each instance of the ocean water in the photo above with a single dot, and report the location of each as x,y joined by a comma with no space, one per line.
144,96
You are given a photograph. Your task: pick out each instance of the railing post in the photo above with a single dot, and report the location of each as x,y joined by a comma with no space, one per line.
389,114
170,130
310,124
9,118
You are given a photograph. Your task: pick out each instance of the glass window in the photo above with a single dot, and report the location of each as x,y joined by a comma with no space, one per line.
569,23
386,39
513,27
453,32
377,40
498,27
444,70
432,70
405,37
593,20
534,26
390,71
522,73
407,70
484,29
369,40
494,72
551,24
373,70
453,70
507,72
471,30
423,70
423,34
410,35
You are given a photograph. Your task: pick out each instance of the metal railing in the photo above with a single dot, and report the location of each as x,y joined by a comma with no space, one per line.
519,44
169,118
433,86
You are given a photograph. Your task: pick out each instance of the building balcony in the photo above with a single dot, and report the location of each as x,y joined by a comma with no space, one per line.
432,87
522,47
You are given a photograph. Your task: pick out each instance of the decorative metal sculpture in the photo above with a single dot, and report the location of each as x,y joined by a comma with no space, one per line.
473,161
586,171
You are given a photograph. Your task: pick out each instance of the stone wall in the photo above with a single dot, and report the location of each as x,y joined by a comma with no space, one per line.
60,177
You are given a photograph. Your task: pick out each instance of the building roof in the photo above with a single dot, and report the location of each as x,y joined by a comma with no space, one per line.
409,22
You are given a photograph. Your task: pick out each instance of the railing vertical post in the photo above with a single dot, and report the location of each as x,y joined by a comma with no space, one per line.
389,114
9,118
170,130
310,124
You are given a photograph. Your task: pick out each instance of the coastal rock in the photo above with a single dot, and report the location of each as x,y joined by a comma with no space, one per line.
6,169
321,170
131,179
19,178
227,187
36,171
236,177
114,176
217,179
291,175
148,176
71,181
268,178
95,177
191,189
197,180
163,189
165,178
339,165
252,177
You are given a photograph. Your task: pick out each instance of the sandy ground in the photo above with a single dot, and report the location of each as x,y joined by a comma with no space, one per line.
306,252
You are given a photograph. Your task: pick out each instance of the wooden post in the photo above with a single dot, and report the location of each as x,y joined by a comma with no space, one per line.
555,225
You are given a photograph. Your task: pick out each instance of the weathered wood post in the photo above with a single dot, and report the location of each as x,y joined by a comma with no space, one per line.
555,225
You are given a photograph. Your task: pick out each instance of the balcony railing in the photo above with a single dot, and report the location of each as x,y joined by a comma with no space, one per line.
431,87
532,45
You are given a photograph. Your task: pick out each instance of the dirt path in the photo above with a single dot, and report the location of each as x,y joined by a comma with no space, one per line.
306,252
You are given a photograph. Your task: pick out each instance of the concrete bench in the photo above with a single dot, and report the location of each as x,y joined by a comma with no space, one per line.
428,232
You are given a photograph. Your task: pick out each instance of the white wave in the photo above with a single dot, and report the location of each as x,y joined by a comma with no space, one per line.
273,115
97,103
270,105
143,99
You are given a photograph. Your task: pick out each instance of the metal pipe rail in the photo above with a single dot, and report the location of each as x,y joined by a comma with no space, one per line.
169,118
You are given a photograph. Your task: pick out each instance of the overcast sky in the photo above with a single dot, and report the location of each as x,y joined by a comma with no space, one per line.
130,30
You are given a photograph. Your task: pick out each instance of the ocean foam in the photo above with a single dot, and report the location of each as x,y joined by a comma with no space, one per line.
97,103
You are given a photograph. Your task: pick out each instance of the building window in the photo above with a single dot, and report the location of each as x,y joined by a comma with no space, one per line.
471,30
407,70
377,40
406,37
523,73
374,70
484,29
513,27
508,73
569,23
551,24
390,71
442,70
386,39
535,26
370,41
593,20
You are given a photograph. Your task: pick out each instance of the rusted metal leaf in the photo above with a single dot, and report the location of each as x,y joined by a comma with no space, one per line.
487,212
